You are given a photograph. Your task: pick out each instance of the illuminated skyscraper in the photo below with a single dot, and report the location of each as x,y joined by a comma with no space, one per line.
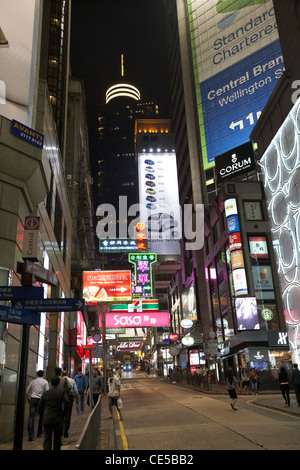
116,166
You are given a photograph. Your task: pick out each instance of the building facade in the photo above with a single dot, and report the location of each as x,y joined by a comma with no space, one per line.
277,138
221,79
33,136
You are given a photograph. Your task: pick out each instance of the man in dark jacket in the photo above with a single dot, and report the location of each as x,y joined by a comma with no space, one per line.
51,405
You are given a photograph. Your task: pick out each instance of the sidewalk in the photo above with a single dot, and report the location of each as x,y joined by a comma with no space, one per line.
78,422
77,425
275,401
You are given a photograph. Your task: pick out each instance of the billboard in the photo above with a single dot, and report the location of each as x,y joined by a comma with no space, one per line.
159,200
106,286
19,43
246,313
237,63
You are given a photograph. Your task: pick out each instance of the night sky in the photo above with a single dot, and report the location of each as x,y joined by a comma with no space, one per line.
102,30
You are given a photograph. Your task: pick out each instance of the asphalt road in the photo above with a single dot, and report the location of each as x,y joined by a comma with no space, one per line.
161,417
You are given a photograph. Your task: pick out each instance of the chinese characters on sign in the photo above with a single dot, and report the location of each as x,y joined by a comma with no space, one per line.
142,285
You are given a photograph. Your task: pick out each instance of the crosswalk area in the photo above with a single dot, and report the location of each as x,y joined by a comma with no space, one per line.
132,386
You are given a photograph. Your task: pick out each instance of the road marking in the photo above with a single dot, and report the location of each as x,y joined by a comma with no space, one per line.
123,435
271,409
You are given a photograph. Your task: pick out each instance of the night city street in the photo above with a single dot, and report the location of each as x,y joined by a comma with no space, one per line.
150,228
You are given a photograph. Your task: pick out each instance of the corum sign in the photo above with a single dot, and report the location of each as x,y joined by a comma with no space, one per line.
235,162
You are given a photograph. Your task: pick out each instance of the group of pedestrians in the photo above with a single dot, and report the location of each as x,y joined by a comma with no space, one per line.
54,402
251,379
285,385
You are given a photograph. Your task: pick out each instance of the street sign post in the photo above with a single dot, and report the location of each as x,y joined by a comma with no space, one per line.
20,292
19,316
51,305
30,270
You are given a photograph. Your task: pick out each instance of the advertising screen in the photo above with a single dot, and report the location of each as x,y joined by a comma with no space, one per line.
159,199
106,286
237,63
246,313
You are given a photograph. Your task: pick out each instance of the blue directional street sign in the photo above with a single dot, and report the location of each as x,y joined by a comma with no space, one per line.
51,305
18,315
19,292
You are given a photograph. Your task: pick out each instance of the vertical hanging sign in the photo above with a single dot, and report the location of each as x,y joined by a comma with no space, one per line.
237,261
32,238
142,284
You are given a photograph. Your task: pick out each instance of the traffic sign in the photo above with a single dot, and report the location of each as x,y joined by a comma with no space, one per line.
20,292
18,315
51,305
41,274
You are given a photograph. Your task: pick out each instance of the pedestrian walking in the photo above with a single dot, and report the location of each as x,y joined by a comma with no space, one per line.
51,406
296,382
34,391
245,381
253,377
82,385
114,391
72,395
284,385
97,386
231,385
63,382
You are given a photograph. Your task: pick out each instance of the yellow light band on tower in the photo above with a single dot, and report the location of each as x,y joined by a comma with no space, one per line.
122,65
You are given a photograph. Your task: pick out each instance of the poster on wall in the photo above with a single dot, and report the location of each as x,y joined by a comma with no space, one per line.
263,282
239,281
237,64
258,247
189,307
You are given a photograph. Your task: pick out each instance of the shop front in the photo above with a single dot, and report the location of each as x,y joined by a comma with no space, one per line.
266,355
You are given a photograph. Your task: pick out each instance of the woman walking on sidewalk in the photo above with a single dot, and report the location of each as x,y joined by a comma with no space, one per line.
253,379
231,385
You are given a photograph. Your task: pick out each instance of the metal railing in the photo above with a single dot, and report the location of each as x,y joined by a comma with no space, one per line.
89,437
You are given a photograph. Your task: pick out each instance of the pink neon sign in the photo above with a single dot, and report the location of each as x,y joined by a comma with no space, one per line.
133,320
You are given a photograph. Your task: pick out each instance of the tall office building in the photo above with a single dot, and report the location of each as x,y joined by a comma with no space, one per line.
116,167
221,78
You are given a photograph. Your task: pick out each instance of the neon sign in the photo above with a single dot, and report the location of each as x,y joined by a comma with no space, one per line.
142,285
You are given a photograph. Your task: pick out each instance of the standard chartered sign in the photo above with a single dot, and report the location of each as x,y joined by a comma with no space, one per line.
237,63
